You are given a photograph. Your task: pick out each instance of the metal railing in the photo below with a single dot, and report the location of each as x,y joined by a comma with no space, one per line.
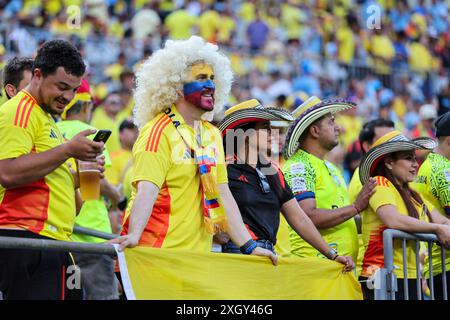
386,279
55,245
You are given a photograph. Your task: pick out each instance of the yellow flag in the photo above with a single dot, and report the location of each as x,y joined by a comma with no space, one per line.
171,274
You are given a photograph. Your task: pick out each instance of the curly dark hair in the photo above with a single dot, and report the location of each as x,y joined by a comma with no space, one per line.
13,72
59,53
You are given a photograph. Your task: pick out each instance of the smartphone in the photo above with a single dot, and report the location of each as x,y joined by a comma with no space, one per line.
102,135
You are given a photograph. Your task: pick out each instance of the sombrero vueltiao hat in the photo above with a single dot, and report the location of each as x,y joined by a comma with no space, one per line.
306,114
251,111
83,94
393,141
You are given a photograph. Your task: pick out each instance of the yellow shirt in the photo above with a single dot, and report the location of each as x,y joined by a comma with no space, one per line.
383,49
372,231
101,121
433,184
346,40
310,177
119,160
179,23
283,245
420,59
160,156
291,18
351,127
46,206
209,23
227,26
247,12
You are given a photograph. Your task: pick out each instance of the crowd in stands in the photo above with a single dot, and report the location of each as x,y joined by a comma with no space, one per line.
281,53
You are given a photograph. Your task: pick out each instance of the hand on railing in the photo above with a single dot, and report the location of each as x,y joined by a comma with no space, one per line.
443,234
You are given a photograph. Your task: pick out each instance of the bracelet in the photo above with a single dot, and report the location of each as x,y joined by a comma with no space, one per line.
248,247
356,208
332,254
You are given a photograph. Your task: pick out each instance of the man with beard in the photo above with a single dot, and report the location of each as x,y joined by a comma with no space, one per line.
37,188
317,184
180,196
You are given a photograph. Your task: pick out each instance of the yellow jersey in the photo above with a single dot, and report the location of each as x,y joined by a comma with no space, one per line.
45,206
161,156
373,227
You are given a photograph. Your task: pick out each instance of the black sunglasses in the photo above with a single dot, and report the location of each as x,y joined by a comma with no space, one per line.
263,183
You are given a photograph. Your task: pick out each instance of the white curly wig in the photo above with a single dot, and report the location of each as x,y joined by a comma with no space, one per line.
165,72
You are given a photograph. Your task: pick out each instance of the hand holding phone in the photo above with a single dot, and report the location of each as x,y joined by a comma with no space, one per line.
102,136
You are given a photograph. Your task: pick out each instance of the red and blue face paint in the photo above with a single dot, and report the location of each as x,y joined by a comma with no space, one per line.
200,94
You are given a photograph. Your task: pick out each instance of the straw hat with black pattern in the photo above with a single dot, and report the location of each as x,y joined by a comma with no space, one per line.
306,114
391,142
251,111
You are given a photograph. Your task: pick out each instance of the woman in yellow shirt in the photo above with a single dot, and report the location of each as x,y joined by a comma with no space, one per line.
395,205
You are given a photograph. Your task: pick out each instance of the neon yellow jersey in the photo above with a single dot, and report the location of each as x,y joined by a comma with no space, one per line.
373,227
101,121
46,206
311,177
160,156
433,184
93,214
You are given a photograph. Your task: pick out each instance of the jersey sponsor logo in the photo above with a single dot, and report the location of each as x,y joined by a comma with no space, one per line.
447,175
298,168
298,184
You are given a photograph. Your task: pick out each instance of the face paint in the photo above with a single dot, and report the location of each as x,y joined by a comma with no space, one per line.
200,88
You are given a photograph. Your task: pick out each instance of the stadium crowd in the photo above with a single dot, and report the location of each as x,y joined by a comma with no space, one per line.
281,53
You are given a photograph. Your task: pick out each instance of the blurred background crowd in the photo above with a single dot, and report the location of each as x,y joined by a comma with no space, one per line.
390,57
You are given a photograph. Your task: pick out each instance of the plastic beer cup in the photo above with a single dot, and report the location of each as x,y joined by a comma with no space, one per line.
89,180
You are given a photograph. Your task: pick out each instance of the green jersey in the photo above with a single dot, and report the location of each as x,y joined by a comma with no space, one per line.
93,213
433,184
312,178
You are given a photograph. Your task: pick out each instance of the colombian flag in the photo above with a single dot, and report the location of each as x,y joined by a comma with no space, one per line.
173,274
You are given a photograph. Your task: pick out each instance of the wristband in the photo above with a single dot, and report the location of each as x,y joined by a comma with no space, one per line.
248,247
332,254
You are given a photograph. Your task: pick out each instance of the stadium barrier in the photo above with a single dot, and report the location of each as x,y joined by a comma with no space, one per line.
385,280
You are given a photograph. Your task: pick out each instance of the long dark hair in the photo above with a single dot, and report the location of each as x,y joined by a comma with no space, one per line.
405,191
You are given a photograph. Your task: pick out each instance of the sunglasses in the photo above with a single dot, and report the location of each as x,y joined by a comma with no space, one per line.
263,182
